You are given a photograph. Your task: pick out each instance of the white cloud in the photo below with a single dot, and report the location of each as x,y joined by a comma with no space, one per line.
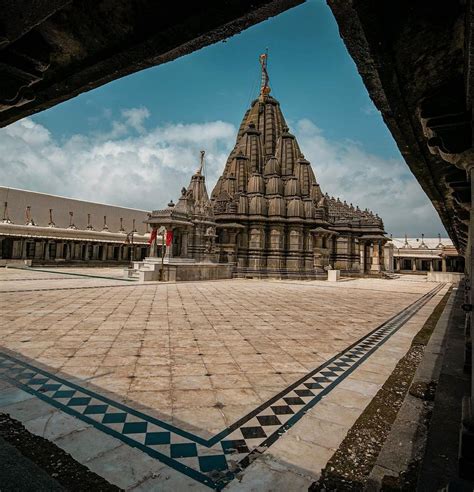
142,171
135,167
385,186
135,117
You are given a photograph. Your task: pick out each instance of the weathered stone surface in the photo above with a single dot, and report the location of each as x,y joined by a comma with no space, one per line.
67,48
415,59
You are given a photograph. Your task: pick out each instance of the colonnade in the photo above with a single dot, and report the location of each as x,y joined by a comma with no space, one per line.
47,250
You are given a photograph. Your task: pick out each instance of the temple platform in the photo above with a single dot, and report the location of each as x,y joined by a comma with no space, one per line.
178,270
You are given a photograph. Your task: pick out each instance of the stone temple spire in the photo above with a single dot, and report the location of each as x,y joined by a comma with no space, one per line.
268,195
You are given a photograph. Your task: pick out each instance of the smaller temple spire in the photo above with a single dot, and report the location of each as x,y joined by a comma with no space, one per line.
406,245
51,221
105,228
89,225
6,218
29,218
440,244
121,225
71,222
423,245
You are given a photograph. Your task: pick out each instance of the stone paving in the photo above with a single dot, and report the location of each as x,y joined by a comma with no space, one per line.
201,356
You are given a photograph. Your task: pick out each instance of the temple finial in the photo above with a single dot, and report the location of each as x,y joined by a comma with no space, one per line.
264,87
201,165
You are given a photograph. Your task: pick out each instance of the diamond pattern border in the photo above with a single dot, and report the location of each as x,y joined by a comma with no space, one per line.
215,461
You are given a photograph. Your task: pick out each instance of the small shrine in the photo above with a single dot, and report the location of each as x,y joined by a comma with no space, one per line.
183,238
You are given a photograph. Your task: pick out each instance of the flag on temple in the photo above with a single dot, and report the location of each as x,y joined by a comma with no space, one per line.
169,238
152,236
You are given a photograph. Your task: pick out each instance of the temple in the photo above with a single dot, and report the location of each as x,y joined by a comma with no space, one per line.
270,217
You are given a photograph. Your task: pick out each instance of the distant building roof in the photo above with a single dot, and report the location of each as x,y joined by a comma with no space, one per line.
417,243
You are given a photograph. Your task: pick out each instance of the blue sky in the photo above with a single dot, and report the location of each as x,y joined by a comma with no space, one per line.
321,93
311,74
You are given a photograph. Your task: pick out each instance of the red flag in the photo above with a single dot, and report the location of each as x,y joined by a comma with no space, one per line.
169,238
153,235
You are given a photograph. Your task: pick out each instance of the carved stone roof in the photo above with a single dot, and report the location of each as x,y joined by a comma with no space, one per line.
266,174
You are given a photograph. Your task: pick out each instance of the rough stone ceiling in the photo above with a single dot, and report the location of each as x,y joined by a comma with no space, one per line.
415,58
53,50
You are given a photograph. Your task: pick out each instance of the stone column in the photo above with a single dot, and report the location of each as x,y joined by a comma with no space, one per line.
169,249
431,266
184,243
413,264
362,256
467,426
381,256
317,254
153,248
375,267
443,264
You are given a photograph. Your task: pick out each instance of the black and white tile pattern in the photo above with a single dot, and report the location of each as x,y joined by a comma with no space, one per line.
215,461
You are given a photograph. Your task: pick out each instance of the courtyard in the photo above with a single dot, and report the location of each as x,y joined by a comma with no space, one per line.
200,384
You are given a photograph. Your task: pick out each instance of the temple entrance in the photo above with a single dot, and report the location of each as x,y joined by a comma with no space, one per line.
6,248
425,265
52,250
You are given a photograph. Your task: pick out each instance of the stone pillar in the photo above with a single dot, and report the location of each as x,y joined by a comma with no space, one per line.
413,264
382,257
431,266
443,264
184,243
169,249
375,267
362,256
467,425
317,254
153,248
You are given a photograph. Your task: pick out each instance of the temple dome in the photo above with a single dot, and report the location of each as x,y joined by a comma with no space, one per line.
272,167
276,206
292,187
250,145
256,184
228,185
316,193
287,152
274,186
295,207
309,208
265,113
239,167
258,205
243,207
305,175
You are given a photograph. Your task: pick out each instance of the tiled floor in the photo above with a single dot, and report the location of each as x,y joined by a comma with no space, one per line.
198,368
